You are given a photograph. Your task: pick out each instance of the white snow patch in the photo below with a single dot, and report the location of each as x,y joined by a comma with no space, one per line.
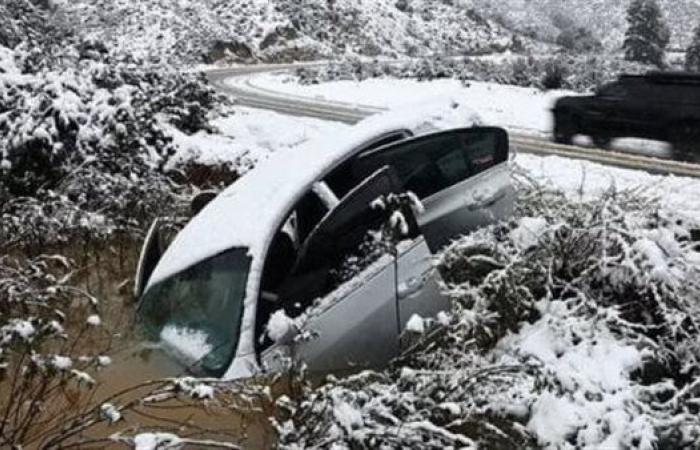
528,232
194,388
416,324
61,362
104,361
280,326
192,344
347,416
22,328
94,320
157,441
110,412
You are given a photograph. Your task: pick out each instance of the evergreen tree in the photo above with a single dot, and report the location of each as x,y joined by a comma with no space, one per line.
647,35
692,57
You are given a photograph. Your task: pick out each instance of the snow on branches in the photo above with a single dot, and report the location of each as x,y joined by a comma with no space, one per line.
576,72
84,145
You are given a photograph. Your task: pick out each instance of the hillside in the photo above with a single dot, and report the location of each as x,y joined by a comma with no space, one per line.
606,19
204,30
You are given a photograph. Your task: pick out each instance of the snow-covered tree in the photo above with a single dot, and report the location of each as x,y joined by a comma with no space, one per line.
647,35
692,57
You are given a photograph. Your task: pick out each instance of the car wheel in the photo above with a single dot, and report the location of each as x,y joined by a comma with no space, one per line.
560,138
686,140
602,141
564,129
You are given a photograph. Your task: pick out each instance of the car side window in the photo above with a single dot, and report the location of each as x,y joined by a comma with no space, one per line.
341,179
424,166
428,165
484,151
613,90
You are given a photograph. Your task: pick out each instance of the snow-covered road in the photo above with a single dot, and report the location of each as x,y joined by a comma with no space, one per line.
527,127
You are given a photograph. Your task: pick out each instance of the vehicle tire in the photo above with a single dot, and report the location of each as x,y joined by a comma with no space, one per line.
601,141
685,138
564,128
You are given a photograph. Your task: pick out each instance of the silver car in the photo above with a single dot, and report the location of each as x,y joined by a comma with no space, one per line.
292,239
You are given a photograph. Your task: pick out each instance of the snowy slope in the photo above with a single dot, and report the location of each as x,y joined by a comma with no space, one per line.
285,28
605,18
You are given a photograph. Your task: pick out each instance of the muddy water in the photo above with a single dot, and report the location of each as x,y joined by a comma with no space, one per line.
106,271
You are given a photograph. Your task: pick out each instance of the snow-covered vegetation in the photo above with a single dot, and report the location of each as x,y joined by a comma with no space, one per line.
563,71
606,20
87,135
574,325
204,30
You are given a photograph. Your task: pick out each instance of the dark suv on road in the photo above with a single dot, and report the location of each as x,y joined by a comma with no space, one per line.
662,106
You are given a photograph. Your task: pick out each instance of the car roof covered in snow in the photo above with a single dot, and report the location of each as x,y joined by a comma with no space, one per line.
248,213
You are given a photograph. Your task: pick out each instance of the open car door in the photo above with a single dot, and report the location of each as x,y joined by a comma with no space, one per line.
461,176
355,322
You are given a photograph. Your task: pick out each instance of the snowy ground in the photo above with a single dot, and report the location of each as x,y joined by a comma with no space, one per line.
521,110
247,135
587,180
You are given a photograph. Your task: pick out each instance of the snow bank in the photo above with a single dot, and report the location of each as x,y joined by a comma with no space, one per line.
246,136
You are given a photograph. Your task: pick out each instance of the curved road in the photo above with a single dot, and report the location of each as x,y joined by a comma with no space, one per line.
249,95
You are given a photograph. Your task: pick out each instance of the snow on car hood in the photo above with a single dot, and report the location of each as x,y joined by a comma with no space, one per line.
249,211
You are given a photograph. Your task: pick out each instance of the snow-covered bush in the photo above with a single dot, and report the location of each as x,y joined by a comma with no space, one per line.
578,39
692,56
86,133
193,31
580,73
573,325
85,144
647,34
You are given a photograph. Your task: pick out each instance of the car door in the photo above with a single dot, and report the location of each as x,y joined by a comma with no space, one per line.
461,177
151,252
353,322
417,288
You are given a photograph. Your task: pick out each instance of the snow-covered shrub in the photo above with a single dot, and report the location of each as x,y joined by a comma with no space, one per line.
574,324
38,356
85,144
647,34
692,56
554,75
580,73
578,39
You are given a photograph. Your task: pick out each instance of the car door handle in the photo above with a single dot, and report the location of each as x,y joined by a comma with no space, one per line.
485,201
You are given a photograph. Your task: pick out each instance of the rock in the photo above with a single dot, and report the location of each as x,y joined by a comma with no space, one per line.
280,33
221,49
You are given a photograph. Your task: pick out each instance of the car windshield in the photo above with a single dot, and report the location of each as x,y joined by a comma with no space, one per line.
196,313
